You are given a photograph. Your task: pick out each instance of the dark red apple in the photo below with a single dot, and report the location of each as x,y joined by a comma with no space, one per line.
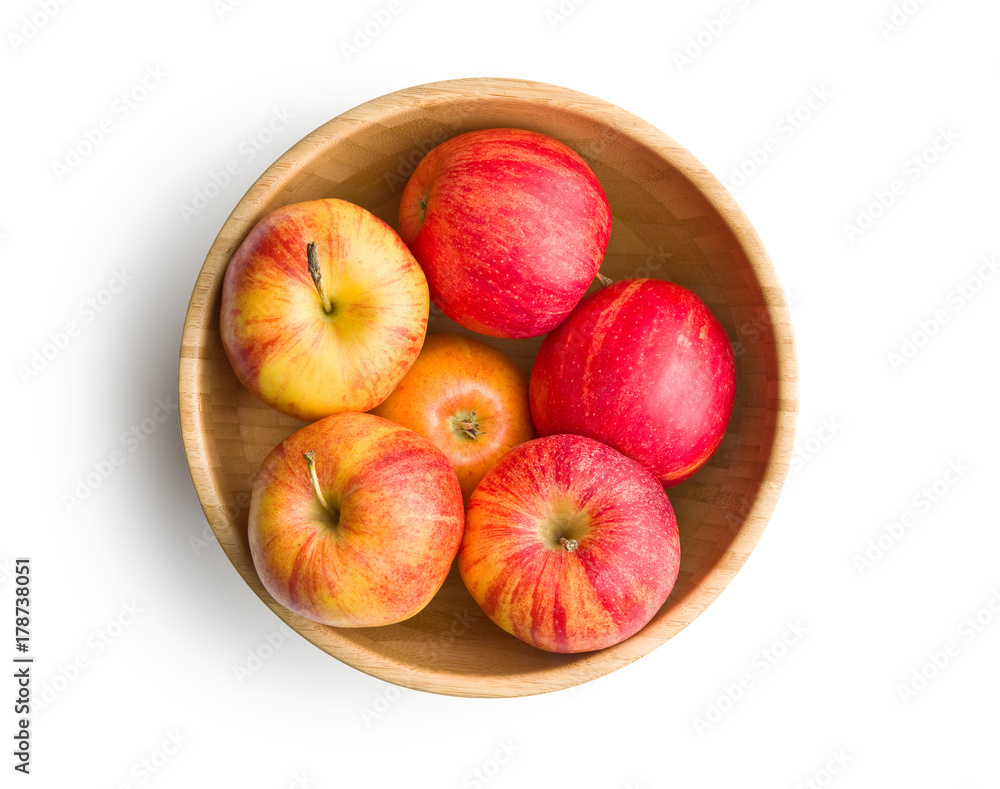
510,227
643,366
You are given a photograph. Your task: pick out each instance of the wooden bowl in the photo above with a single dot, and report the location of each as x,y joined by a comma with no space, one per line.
671,219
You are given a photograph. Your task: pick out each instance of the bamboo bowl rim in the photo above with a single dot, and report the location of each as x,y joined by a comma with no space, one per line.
195,403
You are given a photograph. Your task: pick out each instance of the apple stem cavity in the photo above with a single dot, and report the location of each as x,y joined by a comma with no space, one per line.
467,425
317,278
569,545
422,207
310,457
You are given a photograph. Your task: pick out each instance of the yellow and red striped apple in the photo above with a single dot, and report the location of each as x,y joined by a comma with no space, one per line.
468,399
569,545
354,521
324,309
643,366
510,227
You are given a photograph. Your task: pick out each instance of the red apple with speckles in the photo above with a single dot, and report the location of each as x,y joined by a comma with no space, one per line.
510,227
355,521
569,545
643,366
324,309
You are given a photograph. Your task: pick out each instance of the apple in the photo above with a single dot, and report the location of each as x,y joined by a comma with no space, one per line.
354,521
324,309
510,227
643,366
569,545
468,399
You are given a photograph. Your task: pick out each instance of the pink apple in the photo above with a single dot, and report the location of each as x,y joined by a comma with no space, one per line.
324,309
569,545
510,227
643,366
355,521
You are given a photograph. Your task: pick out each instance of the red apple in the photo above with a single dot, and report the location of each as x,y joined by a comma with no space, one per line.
468,399
569,545
510,227
354,521
643,366
324,309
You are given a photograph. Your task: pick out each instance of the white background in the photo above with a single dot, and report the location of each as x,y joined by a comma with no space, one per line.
141,626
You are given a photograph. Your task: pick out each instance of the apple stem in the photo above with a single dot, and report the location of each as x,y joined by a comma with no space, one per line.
310,457
469,426
317,278
569,545
605,281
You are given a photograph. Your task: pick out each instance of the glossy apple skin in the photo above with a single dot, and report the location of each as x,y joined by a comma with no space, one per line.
456,379
400,523
283,345
528,583
643,366
510,227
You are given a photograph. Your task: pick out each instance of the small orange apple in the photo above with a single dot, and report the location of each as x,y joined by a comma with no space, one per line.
468,399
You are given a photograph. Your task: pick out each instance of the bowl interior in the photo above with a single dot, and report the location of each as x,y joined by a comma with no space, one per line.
671,219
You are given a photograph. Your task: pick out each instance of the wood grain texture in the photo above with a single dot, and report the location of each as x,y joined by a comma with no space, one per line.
671,219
